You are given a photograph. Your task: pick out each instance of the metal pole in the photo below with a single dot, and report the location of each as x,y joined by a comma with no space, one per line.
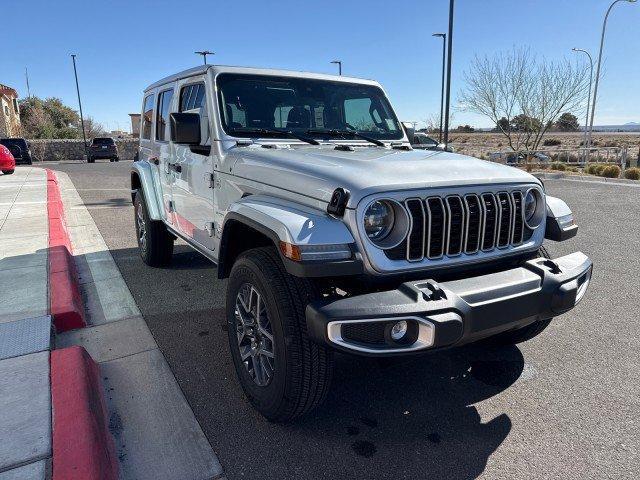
448,94
444,55
339,63
26,74
595,88
587,137
204,54
84,135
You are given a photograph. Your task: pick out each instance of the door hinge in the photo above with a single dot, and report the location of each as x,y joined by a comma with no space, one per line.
210,228
171,206
210,179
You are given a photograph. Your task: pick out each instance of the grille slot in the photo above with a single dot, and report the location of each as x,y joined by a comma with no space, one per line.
436,230
417,233
456,222
461,224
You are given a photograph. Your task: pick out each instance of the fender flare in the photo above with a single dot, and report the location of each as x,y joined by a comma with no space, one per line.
142,178
560,224
285,221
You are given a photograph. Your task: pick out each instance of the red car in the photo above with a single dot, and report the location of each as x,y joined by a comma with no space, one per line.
7,162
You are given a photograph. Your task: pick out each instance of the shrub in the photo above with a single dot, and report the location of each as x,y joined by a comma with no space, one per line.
611,171
558,166
632,173
552,142
573,169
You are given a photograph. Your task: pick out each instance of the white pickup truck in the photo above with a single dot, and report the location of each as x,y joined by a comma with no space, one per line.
334,234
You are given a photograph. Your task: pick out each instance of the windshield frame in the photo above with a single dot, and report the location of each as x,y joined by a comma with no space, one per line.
399,136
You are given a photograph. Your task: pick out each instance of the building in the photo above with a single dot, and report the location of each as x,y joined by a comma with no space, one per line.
135,124
9,112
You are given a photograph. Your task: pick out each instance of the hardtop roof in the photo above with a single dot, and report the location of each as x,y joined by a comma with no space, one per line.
192,72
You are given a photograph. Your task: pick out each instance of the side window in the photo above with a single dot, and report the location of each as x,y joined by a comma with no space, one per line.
162,115
147,117
192,96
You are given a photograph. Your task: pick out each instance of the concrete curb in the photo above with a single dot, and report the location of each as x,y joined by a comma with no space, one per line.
65,301
83,448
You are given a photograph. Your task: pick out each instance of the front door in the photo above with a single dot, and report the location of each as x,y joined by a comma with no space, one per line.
193,184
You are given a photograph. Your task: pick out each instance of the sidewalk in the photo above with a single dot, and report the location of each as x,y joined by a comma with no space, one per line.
25,327
118,411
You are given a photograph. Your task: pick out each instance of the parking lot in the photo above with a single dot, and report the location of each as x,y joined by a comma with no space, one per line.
562,405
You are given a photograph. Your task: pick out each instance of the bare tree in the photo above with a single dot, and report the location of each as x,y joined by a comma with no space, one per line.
523,97
92,128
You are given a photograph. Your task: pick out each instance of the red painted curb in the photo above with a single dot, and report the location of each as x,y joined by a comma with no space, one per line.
65,301
83,448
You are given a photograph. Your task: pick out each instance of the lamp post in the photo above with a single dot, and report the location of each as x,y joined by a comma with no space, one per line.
339,63
84,135
204,54
595,88
448,94
444,54
587,134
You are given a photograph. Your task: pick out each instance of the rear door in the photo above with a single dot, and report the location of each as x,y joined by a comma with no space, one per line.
193,187
163,153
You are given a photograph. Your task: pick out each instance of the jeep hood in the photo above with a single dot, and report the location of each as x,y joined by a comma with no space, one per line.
318,171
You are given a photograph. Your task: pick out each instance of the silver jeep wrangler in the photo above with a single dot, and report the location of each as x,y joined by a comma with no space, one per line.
334,233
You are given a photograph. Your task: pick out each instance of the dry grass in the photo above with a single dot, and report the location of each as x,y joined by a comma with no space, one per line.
481,144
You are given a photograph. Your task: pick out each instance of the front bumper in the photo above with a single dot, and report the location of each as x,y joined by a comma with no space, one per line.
451,313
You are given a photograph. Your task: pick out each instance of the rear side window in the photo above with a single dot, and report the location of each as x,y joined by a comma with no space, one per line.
192,96
147,117
162,115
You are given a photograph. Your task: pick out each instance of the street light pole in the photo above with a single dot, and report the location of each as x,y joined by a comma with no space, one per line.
204,54
448,94
587,136
595,88
444,55
339,63
84,135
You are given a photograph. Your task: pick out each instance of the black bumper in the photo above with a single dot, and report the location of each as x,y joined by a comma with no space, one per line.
451,313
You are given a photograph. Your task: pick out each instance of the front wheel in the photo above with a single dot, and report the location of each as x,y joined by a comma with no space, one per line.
8,172
155,243
282,372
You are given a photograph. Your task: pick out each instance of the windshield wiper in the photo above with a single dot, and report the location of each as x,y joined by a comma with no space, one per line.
282,133
344,133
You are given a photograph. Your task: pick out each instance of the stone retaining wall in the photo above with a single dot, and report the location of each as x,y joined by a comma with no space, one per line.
58,149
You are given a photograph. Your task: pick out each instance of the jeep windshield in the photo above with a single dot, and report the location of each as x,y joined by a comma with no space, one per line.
259,105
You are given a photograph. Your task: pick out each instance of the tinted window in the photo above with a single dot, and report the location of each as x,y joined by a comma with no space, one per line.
103,141
147,116
162,118
192,96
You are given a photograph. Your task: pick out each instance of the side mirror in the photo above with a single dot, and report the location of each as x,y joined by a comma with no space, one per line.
410,131
185,128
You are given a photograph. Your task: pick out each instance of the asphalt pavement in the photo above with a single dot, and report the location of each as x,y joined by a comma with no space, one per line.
563,405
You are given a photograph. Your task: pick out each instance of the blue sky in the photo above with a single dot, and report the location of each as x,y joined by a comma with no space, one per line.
124,45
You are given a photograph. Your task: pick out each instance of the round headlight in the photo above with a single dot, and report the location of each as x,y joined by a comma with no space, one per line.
378,220
533,208
386,223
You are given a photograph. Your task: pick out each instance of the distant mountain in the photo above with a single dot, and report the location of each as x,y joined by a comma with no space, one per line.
631,124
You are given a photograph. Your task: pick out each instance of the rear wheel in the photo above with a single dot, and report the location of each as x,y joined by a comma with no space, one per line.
281,371
8,172
155,243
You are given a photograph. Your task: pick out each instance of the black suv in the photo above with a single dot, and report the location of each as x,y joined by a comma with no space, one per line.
19,149
102,147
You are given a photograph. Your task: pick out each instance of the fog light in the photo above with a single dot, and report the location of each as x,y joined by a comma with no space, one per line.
399,330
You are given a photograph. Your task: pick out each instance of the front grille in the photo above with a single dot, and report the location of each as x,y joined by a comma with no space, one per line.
461,224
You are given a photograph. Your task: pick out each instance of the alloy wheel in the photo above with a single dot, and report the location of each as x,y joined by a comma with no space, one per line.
255,335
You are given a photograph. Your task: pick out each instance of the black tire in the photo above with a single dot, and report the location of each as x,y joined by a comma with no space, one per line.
8,172
157,248
91,160
117,159
302,370
525,333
